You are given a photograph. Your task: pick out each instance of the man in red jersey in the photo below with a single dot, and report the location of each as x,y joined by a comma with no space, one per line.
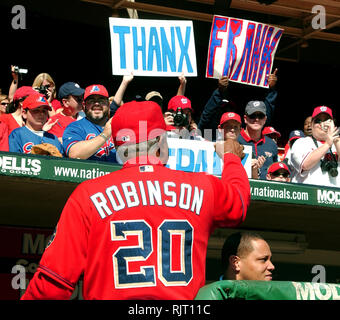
141,232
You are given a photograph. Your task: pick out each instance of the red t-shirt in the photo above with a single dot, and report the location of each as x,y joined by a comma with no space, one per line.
140,232
10,122
3,137
56,104
62,123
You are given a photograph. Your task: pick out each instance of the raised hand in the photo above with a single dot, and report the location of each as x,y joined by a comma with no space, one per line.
229,146
272,79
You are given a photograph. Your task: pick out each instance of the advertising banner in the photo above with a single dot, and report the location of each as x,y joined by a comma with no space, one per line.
186,155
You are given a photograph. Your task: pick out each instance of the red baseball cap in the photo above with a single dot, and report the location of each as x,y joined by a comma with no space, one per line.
179,102
95,89
36,100
23,92
270,130
277,166
230,116
322,109
136,122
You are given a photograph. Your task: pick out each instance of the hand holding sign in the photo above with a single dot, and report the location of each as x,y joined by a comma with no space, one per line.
272,79
223,83
229,146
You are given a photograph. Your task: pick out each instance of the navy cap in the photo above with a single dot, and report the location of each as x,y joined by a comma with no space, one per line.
255,106
296,134
70,88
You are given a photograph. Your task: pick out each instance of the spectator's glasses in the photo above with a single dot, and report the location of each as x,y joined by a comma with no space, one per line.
256,116
276,174
4,103
101,101
319,121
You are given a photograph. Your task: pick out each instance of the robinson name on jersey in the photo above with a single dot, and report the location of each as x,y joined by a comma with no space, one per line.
147,193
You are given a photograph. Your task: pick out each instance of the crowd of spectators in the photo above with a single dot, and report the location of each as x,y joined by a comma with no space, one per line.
77,121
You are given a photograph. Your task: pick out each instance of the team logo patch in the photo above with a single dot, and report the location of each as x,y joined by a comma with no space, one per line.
125,138
281,165
27,147
41,99
297,133
231,114
146,169
52,238
94,89
184,100
323,109
256,103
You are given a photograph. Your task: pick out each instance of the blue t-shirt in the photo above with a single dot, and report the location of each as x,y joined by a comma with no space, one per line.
85,130
22,139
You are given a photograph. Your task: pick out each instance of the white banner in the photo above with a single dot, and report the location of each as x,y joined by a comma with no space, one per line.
241,49
200,156
152,47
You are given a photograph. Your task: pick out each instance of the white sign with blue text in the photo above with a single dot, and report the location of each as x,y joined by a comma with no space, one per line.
152,47
200,156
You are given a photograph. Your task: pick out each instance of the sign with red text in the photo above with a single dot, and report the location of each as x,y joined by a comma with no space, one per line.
241,49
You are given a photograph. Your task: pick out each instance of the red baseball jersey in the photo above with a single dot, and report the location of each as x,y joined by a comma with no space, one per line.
140,232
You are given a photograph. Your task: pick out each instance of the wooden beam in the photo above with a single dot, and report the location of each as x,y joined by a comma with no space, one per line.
201,16
283,8
325,3
168,11
117,3
107,3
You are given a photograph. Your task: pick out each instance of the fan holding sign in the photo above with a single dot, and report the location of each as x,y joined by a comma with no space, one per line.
242,50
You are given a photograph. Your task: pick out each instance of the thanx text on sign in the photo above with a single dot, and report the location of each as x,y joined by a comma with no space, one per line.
152,47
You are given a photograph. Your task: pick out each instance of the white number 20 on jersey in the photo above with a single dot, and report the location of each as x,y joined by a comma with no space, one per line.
146,276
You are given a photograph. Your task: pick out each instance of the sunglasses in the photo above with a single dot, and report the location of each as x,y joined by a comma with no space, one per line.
4,103
277,174
256,115
101,101
318,120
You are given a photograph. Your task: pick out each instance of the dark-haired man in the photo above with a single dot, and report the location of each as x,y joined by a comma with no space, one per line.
90,137
246,256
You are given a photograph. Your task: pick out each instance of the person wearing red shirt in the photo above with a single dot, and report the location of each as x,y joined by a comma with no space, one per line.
3,137
71,97
141,232
14,119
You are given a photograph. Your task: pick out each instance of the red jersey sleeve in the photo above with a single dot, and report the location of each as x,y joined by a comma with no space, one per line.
64,258
231,193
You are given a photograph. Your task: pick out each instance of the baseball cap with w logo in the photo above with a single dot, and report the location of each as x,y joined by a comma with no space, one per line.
95,89
322,109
